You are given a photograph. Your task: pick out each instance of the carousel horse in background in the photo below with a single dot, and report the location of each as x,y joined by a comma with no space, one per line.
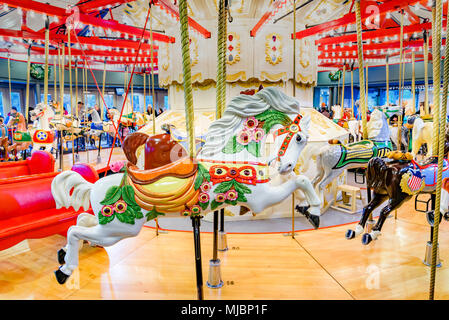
43,136
334,158
344,120
422,132
397,181
230,169
336,109
21,137
7,151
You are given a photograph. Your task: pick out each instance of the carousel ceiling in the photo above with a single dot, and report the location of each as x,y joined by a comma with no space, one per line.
110,30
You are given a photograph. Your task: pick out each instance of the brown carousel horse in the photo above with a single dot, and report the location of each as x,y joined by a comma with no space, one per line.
396,181
6,149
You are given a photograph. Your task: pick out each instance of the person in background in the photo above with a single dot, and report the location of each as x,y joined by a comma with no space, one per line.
324,111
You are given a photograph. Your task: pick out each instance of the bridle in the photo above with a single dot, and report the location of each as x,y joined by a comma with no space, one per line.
290,130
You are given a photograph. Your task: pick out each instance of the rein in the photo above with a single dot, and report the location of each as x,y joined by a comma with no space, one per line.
290,130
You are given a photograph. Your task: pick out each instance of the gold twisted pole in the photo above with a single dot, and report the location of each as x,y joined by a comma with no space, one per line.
436,55
69,47
187,76
401,66
387,80
360,61
47,40
102,91
413,81
27,95
152,82
441,109
426,74
343,90
220,60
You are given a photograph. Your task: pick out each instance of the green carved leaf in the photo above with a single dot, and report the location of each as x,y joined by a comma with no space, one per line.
128,195
153,214
204,205
125,218
232,203
214,205
253,148
232,146
203,174
112,195
103,220
241,188
241,198
224,186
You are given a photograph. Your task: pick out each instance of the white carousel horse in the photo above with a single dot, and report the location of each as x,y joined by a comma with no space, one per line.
230,169
43,136
333,159
422,132
337,112
355,129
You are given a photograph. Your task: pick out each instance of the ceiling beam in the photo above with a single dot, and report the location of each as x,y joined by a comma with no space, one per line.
96,5
274,7
174,10
61,13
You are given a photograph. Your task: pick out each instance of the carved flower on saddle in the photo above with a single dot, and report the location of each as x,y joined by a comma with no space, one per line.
195,209
251,123
120,206
107,211
206,186
204,197
232,195
244,137
220,197
258,134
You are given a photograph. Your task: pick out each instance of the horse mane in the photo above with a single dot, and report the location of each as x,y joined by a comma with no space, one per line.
242,107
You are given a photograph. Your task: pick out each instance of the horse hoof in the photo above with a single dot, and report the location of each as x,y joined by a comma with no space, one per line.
61,277
314,221
350,234
366,239
446,216
61,256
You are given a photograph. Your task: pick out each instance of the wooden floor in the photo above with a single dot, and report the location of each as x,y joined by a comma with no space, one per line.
318,264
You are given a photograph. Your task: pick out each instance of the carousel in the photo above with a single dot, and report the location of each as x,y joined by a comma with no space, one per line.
163,142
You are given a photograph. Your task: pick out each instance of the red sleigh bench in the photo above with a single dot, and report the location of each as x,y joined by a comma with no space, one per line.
28,210
39,162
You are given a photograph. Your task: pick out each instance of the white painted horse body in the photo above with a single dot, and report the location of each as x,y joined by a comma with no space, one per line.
328,157
70,189
42,115
422,132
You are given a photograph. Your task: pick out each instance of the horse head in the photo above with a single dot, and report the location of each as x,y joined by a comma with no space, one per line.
294,142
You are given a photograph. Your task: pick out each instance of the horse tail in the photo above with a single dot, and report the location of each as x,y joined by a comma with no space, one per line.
375,173
131,143
70,189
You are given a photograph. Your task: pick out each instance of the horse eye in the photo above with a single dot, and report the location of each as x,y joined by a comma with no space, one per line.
298,138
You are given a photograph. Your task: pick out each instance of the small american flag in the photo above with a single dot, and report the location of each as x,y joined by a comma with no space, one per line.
415,181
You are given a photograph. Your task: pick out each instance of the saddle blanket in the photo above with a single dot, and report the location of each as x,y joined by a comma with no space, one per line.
362,152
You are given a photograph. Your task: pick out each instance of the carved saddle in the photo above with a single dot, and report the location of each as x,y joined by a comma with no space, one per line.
166,183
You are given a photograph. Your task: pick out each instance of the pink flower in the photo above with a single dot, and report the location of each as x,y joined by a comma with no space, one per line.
195,209
220,197
203,197
120,206
258,134
244,137
232,195
117,165
205,186
107,211
251,123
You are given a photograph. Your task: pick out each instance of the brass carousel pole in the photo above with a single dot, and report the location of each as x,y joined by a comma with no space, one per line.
69,47
27,95
188,100
294,95
55,79
360,62
439,139
401,66
153,99
387,74
413,81
426,74
343,89
352,91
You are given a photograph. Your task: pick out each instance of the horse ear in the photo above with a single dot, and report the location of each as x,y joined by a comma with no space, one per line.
131,143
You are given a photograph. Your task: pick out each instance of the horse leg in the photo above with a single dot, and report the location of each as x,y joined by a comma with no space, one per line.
393,204
320,171
83,220
97,234
329,175
374,203
312,198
